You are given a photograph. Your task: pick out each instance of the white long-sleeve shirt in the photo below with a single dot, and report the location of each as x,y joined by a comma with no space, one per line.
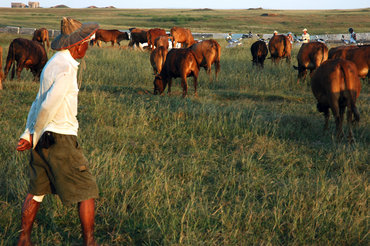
55,106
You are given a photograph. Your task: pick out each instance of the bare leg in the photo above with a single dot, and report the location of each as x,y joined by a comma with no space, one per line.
29,211
86,210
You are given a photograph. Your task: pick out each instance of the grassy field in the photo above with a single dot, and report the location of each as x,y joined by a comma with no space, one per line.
244,163
199,20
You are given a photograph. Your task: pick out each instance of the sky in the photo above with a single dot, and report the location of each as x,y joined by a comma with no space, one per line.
212,4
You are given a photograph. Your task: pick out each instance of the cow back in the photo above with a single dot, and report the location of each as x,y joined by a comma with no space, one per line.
207,51
312,55
280,46
177,60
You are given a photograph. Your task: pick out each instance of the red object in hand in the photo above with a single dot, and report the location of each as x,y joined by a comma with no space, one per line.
23,144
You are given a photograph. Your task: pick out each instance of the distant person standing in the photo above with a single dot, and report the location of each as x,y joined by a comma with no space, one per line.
290,37
305,36
275,33
352,38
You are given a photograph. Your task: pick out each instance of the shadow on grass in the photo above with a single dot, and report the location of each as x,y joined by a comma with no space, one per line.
227,95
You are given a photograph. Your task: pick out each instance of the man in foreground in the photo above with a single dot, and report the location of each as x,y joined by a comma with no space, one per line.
57,163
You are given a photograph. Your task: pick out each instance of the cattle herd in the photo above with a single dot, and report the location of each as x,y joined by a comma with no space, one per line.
335,73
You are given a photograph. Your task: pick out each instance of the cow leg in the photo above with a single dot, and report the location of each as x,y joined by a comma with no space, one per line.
338,119
195,85
169,82
349,122
184,85
112,42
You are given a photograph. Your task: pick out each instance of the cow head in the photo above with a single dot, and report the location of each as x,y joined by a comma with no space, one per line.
159,85
122,36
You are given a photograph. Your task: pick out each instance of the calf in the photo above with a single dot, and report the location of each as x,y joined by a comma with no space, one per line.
158,58
42,36
138,36
360,55
336,85
310,56
28,54
179,63
208,52
181,35
152,34
259,52
280,47
114,36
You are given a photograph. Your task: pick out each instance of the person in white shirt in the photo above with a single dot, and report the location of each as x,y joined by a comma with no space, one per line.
305,36
57,163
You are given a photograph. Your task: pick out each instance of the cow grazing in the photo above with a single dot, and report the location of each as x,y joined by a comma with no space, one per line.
138,36
1,68
42,36
157,59
360,55
28,54
310,56
280,47
208,52
179,63
336,85
114,36
259,52
162,41
152,34
183,36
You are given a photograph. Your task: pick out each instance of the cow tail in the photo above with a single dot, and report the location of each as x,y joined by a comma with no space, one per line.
352,95
9,60
218,57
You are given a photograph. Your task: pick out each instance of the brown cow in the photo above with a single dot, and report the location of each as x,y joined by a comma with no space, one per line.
181,35
152,34
42,36
162,41
114,36
336,85
259,52
280,47
337,52
310,56
1,68
179,63
28,54
157,59
208,52
360,55
138,36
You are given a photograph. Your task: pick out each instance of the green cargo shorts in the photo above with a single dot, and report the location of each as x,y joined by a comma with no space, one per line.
58,166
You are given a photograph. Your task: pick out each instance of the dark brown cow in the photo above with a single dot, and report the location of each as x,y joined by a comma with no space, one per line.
336,85
138,36
1,68
360,55
208,52
162,41
310,56
181,35
28,54
259,52
114,36
42,36
152,34
179,63
158,58
280,47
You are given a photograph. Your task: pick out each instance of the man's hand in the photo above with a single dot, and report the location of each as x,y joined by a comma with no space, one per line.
23,144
